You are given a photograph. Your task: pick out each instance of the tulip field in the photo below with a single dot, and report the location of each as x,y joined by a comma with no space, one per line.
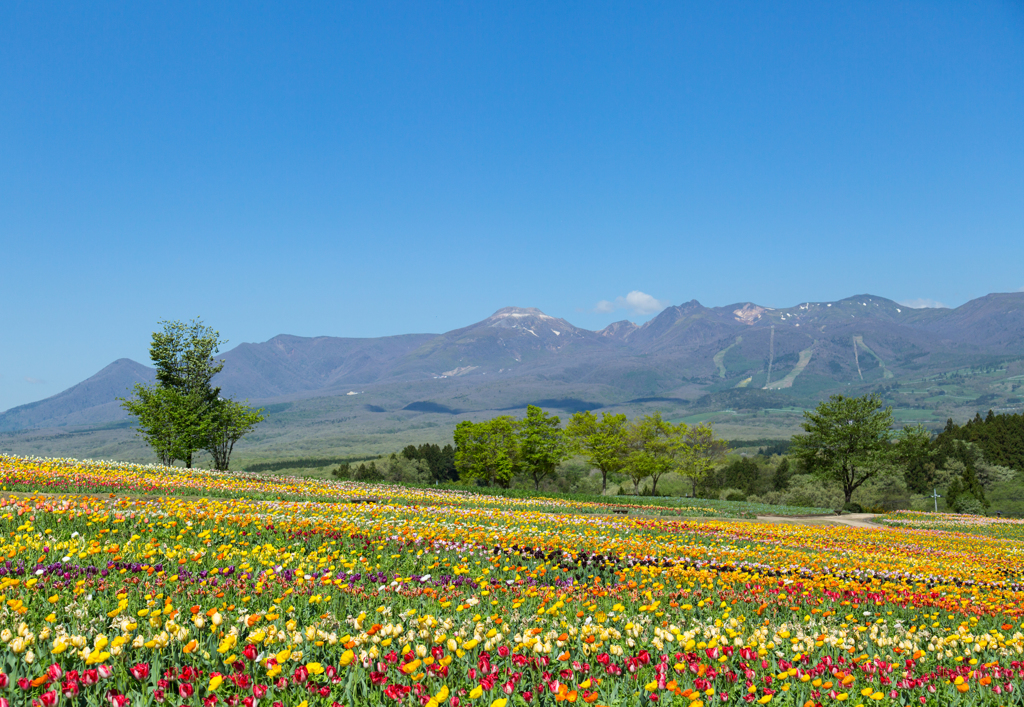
143,585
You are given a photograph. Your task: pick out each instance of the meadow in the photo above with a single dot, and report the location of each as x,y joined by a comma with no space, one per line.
125,584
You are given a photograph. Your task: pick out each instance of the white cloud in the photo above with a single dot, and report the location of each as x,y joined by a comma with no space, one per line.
34,381
1021,289
636,302
923,303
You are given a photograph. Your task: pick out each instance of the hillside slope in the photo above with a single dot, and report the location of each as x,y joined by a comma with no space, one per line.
692,357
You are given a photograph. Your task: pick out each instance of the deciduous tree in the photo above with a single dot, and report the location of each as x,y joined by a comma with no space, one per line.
702,452
602,442
847,441
487,451
229,421
181,413
542,445
655,448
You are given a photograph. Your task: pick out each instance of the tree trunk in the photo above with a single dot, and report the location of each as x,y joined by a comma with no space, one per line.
604,481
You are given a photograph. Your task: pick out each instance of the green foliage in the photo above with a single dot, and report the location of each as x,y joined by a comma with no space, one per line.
402,470
780,447
601,442
304,463
918,457
183,357
655,447
158,419
703,451
487,452
999,437
368,473
440,461
780,477
495,451
743,474
227,423
182,412
542,446
847,441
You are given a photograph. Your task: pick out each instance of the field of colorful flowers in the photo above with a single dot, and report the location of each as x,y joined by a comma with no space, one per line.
194,587
1009,528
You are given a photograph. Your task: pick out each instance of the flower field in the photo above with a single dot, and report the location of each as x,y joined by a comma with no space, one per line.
124,584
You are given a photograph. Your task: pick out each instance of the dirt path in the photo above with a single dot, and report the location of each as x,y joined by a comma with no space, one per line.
853,520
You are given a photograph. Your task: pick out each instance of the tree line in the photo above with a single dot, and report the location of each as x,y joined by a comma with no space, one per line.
183,413
427,463
496,451
849,445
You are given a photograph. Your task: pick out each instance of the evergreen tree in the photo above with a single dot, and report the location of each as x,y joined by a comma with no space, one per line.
780,478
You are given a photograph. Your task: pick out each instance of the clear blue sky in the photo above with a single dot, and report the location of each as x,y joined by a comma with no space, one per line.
364,169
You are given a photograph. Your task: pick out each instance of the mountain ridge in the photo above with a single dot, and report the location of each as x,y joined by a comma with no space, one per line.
685,352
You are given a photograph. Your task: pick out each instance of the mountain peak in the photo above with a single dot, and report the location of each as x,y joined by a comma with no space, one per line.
619,330
517,313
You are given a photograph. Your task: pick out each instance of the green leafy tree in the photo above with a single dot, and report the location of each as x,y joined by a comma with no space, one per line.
154,410
917,455
655,448
183,357
181,413
847,441
602,442
487,451
701,452
228,422
542,444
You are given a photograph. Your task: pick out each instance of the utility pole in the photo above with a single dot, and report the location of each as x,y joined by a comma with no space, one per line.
935,496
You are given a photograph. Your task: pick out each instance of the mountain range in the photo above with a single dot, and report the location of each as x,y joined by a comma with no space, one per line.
690,358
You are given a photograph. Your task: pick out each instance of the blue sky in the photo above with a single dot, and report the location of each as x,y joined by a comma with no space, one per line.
364,169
